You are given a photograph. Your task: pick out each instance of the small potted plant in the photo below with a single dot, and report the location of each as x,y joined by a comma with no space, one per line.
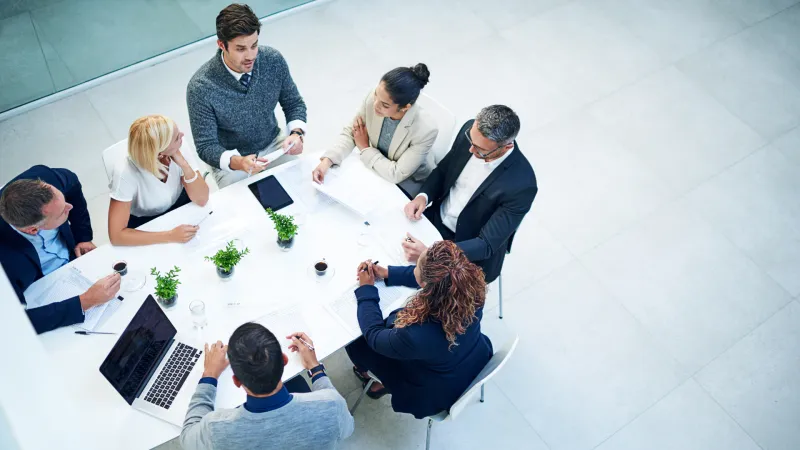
167,286
226,259
285,227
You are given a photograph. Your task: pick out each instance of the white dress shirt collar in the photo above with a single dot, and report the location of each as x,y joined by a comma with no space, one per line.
469,180
235,74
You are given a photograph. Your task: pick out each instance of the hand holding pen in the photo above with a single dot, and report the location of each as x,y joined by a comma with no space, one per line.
304,346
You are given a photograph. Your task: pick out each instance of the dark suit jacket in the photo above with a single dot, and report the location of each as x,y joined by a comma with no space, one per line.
487,224
425,376
21,262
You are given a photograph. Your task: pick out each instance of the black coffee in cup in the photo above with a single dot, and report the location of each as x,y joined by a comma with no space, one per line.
321,267
121,267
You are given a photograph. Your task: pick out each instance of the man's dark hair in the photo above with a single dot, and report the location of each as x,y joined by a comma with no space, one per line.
236,20
498,123
256,358
22,202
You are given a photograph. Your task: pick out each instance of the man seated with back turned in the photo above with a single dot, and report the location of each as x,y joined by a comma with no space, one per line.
479,192
44,224
232,99
272,417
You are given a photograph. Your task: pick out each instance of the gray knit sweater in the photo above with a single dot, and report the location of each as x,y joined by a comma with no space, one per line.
225,115
318,420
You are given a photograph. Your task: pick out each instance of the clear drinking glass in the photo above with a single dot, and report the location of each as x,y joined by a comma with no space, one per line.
365,235
198,310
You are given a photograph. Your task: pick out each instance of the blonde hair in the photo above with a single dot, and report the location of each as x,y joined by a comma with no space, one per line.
147,137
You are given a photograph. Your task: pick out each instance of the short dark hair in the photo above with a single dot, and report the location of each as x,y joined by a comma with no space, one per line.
22,202
256,358
498,123
236,20
405,83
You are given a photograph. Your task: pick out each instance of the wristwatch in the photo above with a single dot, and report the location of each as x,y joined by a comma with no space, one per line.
299,133
313,370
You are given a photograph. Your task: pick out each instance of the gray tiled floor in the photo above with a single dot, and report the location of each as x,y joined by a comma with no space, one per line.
651,285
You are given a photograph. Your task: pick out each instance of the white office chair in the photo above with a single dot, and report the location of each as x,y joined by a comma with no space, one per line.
494,365
445,121
113,154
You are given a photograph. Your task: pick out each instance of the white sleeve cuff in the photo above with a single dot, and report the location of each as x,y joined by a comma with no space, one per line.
296,124
225,159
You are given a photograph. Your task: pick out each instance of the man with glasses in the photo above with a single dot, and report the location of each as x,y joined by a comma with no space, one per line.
480,191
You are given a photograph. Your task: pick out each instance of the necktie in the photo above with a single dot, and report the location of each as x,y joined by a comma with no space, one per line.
245,80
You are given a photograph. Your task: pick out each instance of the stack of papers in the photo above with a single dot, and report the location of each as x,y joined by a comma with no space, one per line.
64,284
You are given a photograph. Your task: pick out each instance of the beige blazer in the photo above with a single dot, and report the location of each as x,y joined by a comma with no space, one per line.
408,151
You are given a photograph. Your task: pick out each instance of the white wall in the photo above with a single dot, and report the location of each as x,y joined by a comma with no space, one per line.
36,410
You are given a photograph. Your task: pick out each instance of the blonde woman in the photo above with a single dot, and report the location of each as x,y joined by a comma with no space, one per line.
153,179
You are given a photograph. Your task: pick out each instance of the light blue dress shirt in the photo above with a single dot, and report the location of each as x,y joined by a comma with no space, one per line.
50,247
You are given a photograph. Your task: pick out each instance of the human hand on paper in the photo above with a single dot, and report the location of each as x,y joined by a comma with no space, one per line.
216,360
303,345
296,143
366,273
250,164
83,248
415,208
183,233
412,248
318,175
102,291
360,135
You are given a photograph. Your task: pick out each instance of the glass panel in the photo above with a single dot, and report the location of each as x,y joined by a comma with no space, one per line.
51,45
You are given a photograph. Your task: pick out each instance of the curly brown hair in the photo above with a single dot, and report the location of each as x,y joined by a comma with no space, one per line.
454,289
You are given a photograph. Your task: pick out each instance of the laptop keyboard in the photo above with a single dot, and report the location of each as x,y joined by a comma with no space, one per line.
173,375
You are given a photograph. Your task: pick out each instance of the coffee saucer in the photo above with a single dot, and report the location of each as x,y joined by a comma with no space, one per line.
311,272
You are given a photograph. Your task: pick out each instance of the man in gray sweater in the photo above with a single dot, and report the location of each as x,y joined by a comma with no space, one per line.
272,417
232,99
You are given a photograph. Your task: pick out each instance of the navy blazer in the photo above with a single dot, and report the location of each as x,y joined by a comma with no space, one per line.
21,262
488,222
428,375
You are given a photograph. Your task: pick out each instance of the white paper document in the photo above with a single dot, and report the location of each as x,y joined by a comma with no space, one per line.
355,186
390,225
345,307
64,284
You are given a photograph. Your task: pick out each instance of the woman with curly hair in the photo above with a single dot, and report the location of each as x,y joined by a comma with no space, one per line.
427,353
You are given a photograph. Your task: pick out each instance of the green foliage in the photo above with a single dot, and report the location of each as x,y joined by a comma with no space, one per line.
284,225
227,257
166,285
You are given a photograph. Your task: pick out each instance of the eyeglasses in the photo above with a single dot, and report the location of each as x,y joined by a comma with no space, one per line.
481,153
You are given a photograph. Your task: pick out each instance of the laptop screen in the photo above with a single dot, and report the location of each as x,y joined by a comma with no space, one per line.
139,350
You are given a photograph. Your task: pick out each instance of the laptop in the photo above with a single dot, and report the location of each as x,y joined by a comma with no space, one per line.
152,368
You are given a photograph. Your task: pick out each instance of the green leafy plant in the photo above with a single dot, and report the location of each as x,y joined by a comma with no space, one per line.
167,284
227,257
284,225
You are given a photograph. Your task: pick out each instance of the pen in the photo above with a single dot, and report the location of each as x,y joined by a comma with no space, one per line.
365,269
408,239
87,333
204,218
310,347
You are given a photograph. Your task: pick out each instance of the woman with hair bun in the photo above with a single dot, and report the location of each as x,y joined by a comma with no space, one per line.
391,133
427,353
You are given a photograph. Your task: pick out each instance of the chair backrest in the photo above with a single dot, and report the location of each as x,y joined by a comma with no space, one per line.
492,367
112,155
445,121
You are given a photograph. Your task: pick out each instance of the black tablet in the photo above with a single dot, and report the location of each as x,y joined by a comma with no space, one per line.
270,193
